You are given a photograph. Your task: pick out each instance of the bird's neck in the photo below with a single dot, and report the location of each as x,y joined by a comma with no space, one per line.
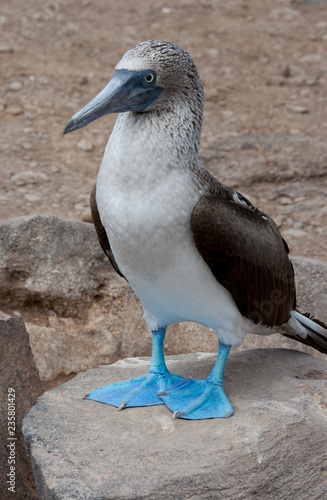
144,147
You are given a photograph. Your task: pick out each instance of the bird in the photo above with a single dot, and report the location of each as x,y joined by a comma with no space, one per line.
191,248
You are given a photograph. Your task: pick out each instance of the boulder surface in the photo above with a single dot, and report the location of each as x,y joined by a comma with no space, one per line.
272,447
20,386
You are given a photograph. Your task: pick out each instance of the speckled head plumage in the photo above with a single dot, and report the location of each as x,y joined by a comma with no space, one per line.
176,85
175,70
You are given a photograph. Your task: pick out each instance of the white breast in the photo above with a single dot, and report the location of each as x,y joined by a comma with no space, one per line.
145,205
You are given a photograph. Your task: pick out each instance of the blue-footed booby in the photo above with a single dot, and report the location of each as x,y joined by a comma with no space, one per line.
191,248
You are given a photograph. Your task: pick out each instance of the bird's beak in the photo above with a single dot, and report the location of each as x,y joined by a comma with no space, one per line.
126,91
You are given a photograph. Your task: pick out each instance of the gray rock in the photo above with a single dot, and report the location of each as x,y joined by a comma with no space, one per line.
271,448
16,85
80,314
298,109
20,386
6,49
311,58
29,177
85,145
45,262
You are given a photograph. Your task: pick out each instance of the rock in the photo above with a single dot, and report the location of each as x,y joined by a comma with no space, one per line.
20,386
298,109
6,49
311,58
85,145
298,225
321,25
311,286
87,216
80,313
32,198
166,10
291,233
83,449
28,177
45,261
14,110
285,200
15,86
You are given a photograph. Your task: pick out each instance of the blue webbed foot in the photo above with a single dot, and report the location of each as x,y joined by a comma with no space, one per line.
139,391
194,399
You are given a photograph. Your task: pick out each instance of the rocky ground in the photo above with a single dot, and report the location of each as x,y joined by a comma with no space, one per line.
264,70
272,443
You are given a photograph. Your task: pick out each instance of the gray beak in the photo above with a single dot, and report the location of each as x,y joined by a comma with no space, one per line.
126,91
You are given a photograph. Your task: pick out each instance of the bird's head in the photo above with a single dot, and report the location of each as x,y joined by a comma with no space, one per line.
151,76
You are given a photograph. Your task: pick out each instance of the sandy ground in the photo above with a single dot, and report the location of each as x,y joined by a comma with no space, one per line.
264,70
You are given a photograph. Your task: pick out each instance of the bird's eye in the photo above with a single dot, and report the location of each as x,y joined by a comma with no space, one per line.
149,78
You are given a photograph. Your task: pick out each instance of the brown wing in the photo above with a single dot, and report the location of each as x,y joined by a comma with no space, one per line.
101,232
247,254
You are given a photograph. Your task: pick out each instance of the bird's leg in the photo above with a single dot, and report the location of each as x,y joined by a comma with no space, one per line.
199,399
140,391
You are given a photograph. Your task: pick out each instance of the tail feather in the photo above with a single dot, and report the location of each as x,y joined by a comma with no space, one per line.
312,331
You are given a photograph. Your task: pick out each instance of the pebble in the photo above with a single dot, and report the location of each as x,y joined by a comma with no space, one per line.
28,177
15,86
27,146
83,80
6,49
32,198
294,233
285,200
321,25
297,80
54,169
87,216
85,145
227,113
279,220
298,109
299,199
14,110
79,207
311,58
298,225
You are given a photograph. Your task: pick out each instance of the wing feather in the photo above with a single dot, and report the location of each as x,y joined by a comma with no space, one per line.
101,232
247,254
